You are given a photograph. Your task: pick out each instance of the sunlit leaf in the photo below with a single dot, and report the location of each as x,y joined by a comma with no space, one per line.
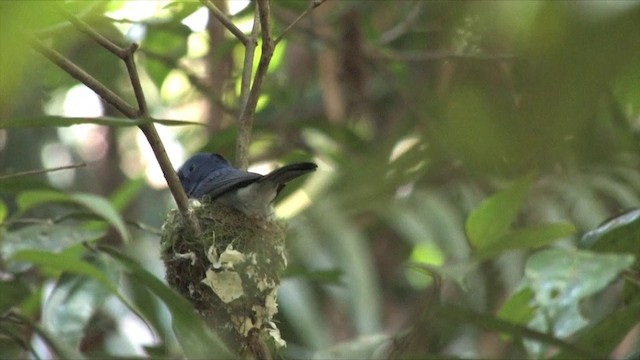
182,9
426,254
561,276
3,211
561,279
168,40
493,217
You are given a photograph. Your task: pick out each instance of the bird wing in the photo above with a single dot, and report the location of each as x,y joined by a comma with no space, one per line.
222,181
288,172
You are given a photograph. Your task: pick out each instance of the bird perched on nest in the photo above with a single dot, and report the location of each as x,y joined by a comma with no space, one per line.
210,175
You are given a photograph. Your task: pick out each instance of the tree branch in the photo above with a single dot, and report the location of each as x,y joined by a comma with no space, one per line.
248,111
148,129
94,35
244,39
79,74
247,66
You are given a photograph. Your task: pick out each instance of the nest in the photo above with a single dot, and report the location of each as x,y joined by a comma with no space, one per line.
230,272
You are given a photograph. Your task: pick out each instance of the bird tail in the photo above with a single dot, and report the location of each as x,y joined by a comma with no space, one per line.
288,173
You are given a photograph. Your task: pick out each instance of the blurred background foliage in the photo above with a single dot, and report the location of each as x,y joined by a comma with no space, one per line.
467,153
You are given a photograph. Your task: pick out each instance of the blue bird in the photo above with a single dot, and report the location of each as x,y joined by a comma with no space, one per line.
211,175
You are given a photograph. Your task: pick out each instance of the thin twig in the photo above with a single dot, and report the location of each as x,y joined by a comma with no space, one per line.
72,69
248,112
312,5
42,171
244,39
97,37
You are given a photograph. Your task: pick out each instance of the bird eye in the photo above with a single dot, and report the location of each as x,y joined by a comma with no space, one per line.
192,167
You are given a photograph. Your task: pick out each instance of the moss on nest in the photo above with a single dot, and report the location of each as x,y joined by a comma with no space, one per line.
230,272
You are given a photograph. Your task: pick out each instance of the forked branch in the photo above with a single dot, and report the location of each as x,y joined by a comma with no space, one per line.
250,91
141,112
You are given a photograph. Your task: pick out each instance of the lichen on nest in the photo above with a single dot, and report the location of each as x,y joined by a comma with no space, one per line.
230,271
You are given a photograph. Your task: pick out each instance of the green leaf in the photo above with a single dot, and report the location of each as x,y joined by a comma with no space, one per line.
355,259
168,40
56,346
103,208
70,262
3,212
330,276
96,204
493,217
196,338
52,237
154,314
518,307
560,280
30,199
531,237
13,292
620,234
561,276
606,335
71,305
456,272
60,121
66,262
460,315
182,9
124,194
364,347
